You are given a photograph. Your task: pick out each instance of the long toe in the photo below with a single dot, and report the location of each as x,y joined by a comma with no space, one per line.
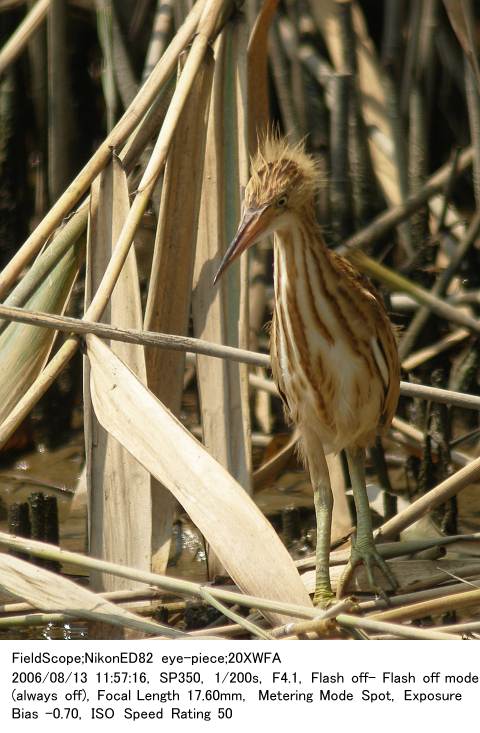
371,558
347,574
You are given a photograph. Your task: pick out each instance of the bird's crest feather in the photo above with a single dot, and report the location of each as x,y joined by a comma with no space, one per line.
279,165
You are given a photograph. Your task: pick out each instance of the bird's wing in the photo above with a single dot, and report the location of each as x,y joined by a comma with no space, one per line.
387,353
383,343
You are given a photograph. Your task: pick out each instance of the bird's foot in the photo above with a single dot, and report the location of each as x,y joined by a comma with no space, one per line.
366,552
323,597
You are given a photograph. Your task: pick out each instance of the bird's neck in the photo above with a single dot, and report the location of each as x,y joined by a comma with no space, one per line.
302,232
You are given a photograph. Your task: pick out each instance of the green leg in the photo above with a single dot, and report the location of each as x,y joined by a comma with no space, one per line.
363,548
323,499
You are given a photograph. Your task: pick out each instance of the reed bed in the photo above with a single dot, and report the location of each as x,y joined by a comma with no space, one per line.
134,173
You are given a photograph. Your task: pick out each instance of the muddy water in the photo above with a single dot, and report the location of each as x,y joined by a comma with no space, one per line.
287,503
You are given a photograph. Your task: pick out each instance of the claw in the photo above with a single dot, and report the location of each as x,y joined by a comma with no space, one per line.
371,558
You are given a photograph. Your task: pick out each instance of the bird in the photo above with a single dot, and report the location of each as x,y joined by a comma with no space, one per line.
333,348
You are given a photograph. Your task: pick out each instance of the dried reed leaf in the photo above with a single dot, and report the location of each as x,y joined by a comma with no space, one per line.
271,469
25,349
257,65
237,531
258,116
169,294
220,314
118,486
213,309
50,591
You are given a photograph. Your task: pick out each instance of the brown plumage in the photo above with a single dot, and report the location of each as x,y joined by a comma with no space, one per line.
334,355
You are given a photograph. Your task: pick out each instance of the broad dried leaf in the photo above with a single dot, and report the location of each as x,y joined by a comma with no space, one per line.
53,593
239,534
119,488
170,287
216,311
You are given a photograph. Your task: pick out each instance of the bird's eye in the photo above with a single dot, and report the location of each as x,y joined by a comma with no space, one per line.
281,202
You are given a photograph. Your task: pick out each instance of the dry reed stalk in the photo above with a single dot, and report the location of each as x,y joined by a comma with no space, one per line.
462,628
320,626
183,343
118,596
37,53
451,486
413,435
59,100
120,508
221,632
247,625
68,324
411,597
389,219
432,607
161,25
441,285
216,312
383,627
340,87
170,285
430,352
394,281
19,39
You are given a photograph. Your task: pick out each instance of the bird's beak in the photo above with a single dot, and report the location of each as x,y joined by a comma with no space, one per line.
254,223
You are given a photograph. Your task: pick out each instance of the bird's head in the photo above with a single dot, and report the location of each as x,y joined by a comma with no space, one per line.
282,184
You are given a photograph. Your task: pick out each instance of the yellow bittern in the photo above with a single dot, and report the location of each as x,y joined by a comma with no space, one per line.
334,354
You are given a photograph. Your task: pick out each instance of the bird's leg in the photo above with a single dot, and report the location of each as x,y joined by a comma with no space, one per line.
323,499
363,548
